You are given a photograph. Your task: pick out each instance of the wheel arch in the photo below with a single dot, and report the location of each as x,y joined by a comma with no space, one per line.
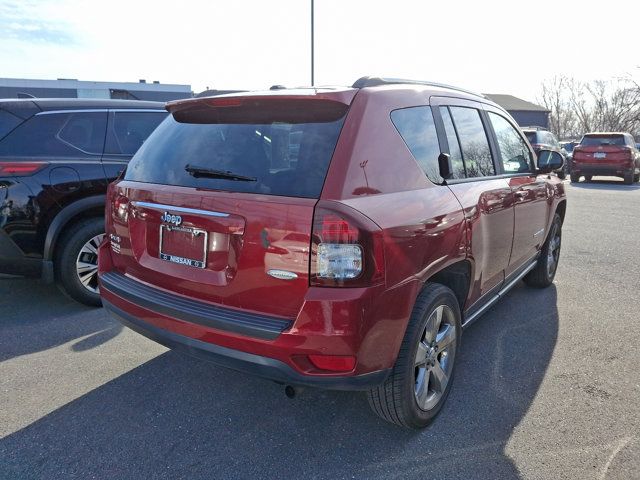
561,209
89,207
457,277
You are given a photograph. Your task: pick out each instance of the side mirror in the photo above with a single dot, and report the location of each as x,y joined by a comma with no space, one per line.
549,161
444,165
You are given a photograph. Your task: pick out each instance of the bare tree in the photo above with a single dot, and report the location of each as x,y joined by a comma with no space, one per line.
602,105
556,95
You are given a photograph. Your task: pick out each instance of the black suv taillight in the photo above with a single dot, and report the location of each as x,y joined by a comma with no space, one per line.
21,169
347,248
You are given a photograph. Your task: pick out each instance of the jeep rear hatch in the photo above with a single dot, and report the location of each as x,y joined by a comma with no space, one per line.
218,203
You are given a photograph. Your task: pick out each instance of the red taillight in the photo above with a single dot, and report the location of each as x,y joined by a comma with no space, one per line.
347,248
333,363
21,169
337,230
120,209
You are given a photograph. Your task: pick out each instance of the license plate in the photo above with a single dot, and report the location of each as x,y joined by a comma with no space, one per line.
183,245
599,155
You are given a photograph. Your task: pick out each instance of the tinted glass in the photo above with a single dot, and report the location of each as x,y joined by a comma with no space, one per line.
127,130
289,159
417,129
513,150
593,140
62,135
531,136
454,144
473,141
8,122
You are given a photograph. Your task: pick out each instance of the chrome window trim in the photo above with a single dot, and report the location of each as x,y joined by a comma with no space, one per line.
139,110
195,211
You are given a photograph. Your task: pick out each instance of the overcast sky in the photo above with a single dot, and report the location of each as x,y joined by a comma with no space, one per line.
487,46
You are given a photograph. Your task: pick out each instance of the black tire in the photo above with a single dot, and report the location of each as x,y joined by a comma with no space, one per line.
628,178
562,175
587,178
396,399
67,255
575,178
544,272
636,178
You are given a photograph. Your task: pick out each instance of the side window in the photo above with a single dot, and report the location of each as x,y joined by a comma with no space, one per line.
455,152
127,130
8,122
418,130
57,134
513,150
630,141
473,141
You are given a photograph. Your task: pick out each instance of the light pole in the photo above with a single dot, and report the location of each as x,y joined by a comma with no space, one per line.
312,43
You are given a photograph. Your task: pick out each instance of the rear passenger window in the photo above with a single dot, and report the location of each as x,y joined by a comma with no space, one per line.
513,150
455,153
127,130
63,134
473,142
418,130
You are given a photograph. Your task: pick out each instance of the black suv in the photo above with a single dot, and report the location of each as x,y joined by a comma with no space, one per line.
56,158
542,139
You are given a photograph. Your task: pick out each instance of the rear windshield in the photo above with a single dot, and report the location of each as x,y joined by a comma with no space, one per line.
288,158
531,136
589,141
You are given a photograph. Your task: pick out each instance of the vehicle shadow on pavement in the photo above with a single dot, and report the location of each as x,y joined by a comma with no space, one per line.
606,185
177,417
36,317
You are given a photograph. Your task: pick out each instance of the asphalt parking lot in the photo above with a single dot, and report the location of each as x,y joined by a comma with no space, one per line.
547,387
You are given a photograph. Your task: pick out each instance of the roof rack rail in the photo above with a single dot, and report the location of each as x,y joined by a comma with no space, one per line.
368,81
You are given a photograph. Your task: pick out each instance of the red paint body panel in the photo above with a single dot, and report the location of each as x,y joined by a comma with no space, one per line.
261,233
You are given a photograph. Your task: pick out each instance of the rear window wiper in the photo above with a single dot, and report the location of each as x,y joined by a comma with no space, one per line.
204,172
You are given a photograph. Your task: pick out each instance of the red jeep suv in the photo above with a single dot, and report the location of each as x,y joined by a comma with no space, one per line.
339,238
610,154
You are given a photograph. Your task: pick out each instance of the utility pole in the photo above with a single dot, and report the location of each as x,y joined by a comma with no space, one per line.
312,43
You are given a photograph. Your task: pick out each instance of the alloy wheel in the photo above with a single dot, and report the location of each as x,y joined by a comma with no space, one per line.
87,264
553,254
433,364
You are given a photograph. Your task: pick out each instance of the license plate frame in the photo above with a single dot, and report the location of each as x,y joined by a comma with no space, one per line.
599,155
189,262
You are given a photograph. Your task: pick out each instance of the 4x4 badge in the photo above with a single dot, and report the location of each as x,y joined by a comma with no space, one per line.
172,219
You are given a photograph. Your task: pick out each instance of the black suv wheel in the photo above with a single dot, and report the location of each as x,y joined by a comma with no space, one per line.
77,261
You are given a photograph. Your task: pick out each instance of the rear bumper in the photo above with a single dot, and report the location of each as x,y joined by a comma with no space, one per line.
250,363
14,262
605,171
